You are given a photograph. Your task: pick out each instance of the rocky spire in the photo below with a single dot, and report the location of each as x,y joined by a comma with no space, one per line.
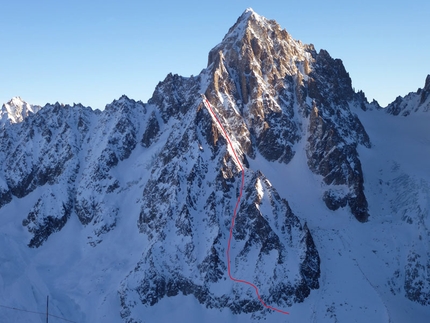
426,90
264,81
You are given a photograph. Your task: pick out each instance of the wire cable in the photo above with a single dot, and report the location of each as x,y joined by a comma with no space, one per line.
34,312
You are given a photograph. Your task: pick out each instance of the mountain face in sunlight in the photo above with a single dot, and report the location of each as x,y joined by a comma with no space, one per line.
123,215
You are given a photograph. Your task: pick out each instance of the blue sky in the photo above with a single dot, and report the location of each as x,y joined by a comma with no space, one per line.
94,51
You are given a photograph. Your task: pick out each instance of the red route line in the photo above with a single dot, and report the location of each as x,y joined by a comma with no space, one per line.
208,105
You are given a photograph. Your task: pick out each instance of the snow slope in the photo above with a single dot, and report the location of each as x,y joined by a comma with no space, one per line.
358,261
361,264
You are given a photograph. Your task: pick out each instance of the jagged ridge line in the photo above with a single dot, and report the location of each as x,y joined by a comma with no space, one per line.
212,112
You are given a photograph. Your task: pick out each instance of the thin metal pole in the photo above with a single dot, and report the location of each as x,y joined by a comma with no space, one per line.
47,308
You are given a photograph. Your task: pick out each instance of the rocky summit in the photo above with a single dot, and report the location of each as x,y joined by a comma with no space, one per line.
123,215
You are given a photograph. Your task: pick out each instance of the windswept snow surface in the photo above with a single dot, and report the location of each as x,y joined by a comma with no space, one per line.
67,267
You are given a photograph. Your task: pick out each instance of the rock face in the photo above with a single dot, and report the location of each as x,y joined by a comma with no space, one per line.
186,271
63,153
276,91
186,213
69,156
334,133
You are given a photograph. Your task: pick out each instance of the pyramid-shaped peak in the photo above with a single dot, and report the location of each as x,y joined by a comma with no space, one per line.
250,13
251,22
259,37
247,16
16,99
248,21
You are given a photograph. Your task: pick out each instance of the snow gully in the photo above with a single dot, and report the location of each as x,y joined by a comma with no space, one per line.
240,165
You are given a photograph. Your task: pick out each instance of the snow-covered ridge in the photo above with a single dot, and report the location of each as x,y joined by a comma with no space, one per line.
414,102
16,110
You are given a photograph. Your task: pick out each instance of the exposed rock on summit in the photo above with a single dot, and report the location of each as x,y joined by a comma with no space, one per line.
266,85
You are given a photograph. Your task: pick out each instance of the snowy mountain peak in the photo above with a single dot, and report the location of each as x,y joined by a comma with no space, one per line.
250,15
414,102
16,110
140,213
249,23
123,102
265,83
254,42
16,101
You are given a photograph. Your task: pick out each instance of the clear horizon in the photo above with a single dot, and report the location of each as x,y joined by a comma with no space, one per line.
92,52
